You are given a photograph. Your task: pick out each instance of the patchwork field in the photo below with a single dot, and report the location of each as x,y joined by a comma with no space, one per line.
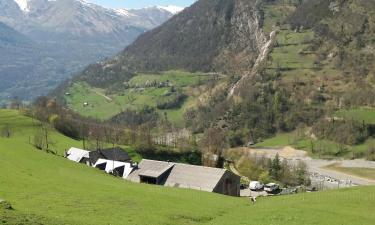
142,90
48,189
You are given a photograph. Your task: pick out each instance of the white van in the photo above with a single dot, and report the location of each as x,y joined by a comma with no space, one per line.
255,186
271,187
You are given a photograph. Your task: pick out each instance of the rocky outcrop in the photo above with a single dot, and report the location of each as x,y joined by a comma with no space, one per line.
259,64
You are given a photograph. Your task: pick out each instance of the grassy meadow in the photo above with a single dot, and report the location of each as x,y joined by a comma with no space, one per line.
103,105
48,189
366,115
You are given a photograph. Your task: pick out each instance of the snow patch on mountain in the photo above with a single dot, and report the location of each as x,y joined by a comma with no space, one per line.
23,4
171,8
123,12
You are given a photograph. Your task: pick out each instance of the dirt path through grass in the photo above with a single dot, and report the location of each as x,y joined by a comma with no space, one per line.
102,95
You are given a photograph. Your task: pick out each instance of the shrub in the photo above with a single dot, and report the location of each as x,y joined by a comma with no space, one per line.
343,132
172,102
370,154
5,205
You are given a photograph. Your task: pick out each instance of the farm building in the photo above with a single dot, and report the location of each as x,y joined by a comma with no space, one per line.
114,154
77,155
186,176
114,160
121,169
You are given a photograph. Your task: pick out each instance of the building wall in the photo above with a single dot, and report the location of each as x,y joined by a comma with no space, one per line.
229,184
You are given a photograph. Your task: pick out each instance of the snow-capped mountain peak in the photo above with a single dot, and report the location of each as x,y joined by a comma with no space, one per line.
123,12
171,8
23,4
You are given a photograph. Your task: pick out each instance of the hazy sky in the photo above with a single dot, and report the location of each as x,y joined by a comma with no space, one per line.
140,3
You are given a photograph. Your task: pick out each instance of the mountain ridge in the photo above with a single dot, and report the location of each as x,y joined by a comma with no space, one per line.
69,35
221,36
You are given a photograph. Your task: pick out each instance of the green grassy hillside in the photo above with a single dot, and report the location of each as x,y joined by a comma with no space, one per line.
142,90
48,189
329,148
366,115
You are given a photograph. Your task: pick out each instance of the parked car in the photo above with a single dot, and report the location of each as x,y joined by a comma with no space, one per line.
256,186
271,187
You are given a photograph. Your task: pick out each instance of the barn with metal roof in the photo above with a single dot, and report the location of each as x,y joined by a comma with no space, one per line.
186,176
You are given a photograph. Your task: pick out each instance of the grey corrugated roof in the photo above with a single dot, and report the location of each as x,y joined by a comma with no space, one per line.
150,168
117,154
194,177
182,175
155,173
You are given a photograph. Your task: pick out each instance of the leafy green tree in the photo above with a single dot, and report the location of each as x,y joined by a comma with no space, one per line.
301,172
265,177
276,168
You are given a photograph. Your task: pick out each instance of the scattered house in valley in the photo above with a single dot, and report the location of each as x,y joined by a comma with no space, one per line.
186,176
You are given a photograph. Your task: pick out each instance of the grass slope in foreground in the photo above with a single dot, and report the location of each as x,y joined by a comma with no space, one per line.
48,189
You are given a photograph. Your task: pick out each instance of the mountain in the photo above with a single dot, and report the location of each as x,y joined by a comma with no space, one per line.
12,45
210,35
66,36
11,36
275,66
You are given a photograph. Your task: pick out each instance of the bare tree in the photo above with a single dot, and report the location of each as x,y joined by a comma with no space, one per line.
97,134
16,103
42,139
6,131
213,143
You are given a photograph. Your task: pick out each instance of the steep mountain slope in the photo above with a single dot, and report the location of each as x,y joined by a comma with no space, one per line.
211,35
11,36
68,35
12,45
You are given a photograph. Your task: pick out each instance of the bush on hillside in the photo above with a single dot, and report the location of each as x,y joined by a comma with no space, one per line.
370,154
172,102
67,127
133,118
343,132
5,205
